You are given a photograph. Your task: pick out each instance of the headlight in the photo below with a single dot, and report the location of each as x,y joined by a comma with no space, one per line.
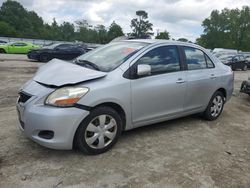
66,96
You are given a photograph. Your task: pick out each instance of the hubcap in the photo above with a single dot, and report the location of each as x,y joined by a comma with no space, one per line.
101,131
217,106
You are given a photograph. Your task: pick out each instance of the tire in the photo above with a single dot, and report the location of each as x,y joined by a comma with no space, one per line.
211,114
44,58
244,68
91,135
2,51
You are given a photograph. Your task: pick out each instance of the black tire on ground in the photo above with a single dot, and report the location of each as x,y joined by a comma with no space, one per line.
207,114
80,141
244,68
2,51
44,57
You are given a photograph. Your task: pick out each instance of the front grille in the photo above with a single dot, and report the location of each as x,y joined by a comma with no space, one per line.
23,97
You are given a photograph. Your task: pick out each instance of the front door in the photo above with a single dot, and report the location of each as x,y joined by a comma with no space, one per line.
18,48
161,94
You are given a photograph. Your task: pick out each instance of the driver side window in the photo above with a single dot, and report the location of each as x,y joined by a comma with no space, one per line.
163,59
62,47
19,44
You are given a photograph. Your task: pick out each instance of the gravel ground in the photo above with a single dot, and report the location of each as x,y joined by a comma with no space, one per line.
187,152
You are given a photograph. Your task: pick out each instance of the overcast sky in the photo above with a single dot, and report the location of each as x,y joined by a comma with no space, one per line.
182,18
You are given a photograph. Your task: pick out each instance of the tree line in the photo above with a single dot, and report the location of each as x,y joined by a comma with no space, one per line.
229,28
16,21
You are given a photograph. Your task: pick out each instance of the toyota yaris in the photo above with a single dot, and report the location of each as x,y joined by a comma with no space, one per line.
120,86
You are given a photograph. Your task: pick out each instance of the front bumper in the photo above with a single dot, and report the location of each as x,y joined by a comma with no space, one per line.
245,87
35,117
34,56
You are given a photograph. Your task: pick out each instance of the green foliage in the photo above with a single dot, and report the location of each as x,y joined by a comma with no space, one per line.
141,27
227,29
16,21
163,35
114,31
6,30
183,40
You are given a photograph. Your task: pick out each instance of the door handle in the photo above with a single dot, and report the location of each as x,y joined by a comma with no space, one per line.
212,76
180,81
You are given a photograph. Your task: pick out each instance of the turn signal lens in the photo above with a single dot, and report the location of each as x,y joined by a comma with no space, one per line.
66,96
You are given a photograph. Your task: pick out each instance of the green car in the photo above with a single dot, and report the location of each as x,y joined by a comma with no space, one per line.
17,47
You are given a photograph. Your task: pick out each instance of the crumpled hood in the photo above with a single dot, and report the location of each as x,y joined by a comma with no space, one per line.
58,73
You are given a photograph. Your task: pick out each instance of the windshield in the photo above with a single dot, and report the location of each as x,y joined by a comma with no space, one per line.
52,46
110,56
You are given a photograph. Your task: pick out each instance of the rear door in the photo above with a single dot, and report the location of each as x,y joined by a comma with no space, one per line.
201,79
161,94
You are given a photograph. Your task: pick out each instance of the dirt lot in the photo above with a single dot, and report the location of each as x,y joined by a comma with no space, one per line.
187,152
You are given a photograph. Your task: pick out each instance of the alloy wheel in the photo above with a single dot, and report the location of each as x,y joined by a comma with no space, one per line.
101,131
217,105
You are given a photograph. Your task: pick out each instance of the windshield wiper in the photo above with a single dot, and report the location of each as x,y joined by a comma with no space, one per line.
86,62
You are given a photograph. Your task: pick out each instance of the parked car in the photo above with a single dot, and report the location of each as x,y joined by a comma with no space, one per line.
237,62
2,42
63,51
121,86
248,61
245,86
17,47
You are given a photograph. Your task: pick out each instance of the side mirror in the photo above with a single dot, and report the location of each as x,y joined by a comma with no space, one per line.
143,70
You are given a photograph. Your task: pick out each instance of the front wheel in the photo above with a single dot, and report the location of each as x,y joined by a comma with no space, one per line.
215,106
99,131
44,58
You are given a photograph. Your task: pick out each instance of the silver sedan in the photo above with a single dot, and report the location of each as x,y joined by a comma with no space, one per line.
120,86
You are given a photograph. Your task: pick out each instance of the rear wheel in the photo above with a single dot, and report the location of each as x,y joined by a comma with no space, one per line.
44,57
2,51
99,131
215,106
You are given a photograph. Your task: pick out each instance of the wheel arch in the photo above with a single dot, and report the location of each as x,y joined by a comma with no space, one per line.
112,105
3,50
224,91
117,108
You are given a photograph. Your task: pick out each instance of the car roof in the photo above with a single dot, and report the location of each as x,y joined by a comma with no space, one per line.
162,41
19,42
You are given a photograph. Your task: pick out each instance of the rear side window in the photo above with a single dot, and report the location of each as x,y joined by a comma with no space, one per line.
162,60
210,64
63,46
197,59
